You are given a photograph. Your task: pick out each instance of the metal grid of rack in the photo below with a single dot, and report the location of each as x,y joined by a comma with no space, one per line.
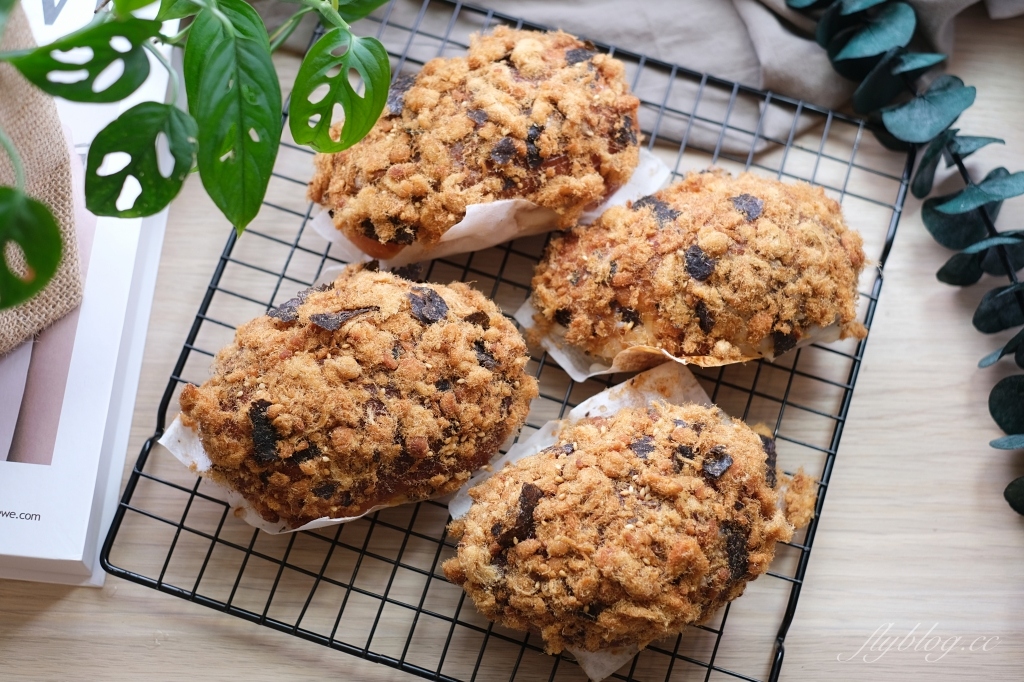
373,588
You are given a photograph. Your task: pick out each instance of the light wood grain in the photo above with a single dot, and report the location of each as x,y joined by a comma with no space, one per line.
914,531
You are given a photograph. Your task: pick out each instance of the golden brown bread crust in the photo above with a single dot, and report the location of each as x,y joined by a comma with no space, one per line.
713,268
628,529
539,116
374,391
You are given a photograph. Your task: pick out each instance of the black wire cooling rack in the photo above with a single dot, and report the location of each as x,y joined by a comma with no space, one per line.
373,588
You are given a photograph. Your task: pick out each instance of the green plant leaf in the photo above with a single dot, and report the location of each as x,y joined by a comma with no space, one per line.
357,9
993,263
999,310
207,30
851,6
124,8
176,9
1011,346
1002,239
832,23
1006,404
310,122
876,126
985,192
1014,442
1014,495
135,133
29,224
915,63
5,11
925,175
880,86
239,116
892,27
804,4
854,69
962,270
39,65
965,145
961,230
927,115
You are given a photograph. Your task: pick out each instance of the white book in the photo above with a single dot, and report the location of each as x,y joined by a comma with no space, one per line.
60,483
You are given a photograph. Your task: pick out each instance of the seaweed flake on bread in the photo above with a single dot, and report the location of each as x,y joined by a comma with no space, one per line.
538,116
625,531
713,269
370,391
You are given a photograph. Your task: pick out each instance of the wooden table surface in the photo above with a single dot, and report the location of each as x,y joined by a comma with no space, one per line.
915,532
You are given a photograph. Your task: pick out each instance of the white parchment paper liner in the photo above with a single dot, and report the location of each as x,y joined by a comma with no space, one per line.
187,448
487,225
670,382
581,366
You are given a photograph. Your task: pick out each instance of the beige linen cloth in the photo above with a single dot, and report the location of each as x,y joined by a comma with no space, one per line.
29,117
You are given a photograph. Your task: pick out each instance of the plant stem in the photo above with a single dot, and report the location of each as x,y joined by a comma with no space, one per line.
172,75
285,30
177,38
327,12
19,169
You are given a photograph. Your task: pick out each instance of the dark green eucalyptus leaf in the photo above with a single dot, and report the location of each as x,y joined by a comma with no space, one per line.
985,192
1015,442
1018,356
124,8
925,175
993,262
876,126
176,9
927,115
1012,346
959,231
239,116
892,27
880,86
310,122
135,133
29,224
207,30
37,65
999,310
5,11
965,145
851,6
1003,239
1006,404
833,22
1014,495
803,4
357,9
916,63
962,270
854,69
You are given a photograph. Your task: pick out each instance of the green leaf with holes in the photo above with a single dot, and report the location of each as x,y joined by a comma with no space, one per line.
961,230
916,63
925,175
124,8
1014,345
927,115
239,116
136,133
985,192
208,30
29,224
309,121
357,9
999,310
1006,404
176,9
892,27
40,65
5,11
1014,494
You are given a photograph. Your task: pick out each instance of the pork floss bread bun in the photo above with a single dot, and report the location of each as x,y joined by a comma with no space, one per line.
370,391
538,116
714,269
625,531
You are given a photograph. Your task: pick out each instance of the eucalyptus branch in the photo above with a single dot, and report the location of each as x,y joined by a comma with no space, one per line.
19,168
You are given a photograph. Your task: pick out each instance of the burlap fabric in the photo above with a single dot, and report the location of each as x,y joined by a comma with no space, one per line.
30,119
